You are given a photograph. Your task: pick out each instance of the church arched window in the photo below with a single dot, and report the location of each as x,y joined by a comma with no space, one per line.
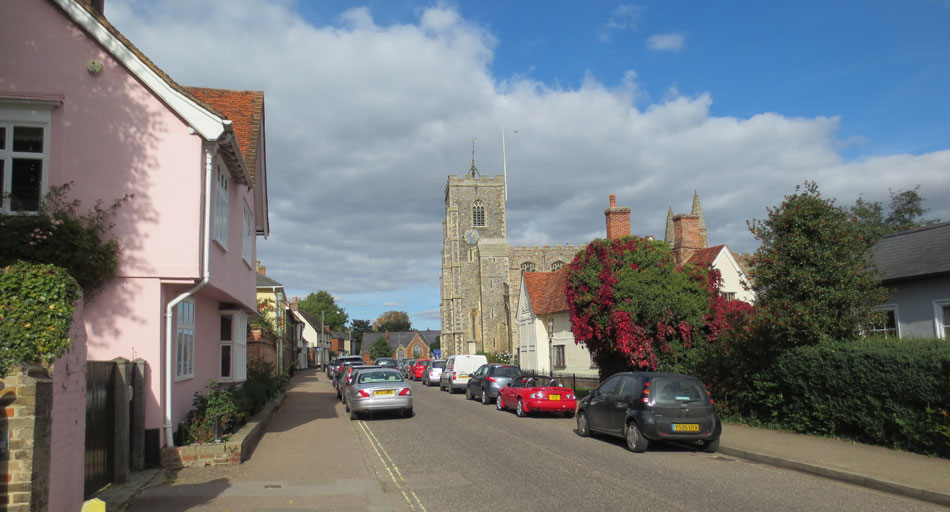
478,213
473,317
417,351
528,266
556,266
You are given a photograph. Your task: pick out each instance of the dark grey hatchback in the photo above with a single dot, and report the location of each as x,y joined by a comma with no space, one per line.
646,406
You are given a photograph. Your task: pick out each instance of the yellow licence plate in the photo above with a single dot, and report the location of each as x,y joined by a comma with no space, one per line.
554,397
384,392
461,377
685,427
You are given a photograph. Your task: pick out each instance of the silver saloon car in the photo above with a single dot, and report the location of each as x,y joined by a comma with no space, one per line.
382,389
433,372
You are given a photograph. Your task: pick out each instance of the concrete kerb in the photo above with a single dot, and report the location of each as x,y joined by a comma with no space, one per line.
844,476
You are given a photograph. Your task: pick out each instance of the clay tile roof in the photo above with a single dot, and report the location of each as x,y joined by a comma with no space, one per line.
705,257
547,291
245,109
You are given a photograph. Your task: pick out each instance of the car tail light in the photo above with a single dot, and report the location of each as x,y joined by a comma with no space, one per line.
491,379
405,392
710,397
362,394
646,393
570,396
454,375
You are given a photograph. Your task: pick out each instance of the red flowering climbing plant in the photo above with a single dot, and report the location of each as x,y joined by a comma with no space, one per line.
635,308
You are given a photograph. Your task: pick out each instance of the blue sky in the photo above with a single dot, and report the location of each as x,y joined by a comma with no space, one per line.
370,105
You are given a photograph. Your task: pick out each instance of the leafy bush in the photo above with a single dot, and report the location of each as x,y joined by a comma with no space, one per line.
36,311
235,404
882,391
60,235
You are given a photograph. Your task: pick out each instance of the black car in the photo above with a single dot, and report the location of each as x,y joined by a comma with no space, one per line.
646,406
487,381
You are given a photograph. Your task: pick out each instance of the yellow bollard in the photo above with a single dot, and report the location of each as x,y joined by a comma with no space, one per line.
94,505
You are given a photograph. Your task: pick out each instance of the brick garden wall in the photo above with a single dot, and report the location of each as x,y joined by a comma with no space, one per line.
27,399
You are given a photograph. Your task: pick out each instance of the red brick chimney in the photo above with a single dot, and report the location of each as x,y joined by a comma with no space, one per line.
261,268
618,220
687,237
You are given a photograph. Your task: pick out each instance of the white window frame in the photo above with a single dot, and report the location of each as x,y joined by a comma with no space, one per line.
897,321
221,191
185,340
238,344
559,350
34,113
246,248
940,321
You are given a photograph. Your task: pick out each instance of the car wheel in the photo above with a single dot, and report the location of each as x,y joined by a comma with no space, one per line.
441,387
468,393
499,404
485,399
425,382
519,409
711,446
636,443
583,428
407,413
353,415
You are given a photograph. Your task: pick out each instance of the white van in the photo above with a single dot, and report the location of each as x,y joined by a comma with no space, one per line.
457,371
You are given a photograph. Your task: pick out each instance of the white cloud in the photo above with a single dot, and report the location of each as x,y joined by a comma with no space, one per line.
365,121
624,17
666,42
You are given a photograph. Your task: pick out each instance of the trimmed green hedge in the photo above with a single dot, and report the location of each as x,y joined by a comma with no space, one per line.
888,392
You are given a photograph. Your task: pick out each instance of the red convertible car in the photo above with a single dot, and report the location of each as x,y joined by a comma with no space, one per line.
528,394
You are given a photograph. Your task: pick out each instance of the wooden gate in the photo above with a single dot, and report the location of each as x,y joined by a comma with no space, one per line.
100,425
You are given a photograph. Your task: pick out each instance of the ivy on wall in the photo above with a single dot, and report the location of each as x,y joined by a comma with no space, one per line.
36,309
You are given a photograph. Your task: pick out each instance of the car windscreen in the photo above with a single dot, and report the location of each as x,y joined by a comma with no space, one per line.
507,371
379,377
671,391
437,364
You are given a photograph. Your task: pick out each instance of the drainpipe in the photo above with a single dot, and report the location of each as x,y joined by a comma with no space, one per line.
206,258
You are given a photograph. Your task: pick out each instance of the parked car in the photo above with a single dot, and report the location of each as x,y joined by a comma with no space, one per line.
381,389
416,370
386,362
457,370
488,380
340,373
339,362
433,372
526,394
644,406
351,374
401,364
407,366
330,365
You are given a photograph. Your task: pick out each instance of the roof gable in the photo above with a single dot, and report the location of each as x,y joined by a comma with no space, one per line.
705,257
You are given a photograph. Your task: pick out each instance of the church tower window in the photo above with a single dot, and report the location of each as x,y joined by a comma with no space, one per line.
478,214
556,266
528,266
473,317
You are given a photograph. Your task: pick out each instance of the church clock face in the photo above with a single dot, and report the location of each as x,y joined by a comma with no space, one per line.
471,237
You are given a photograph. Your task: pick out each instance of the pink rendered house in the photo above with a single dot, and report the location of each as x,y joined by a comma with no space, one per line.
79,103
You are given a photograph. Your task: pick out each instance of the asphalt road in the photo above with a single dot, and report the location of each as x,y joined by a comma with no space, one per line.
459,455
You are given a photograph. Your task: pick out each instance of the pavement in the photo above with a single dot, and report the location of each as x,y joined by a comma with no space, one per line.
338,480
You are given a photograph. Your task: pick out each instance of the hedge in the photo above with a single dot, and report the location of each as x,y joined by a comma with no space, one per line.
888,392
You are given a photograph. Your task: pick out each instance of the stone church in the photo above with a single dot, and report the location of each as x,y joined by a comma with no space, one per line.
481,273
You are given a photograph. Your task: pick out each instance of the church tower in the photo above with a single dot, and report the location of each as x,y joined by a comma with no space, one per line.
474,316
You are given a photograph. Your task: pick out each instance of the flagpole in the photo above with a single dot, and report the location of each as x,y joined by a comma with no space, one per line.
504,158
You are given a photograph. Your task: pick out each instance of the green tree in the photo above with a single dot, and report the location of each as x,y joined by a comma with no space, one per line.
358,328
380,348
322,302
906,211
633,307
812,279
392,321
435,345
